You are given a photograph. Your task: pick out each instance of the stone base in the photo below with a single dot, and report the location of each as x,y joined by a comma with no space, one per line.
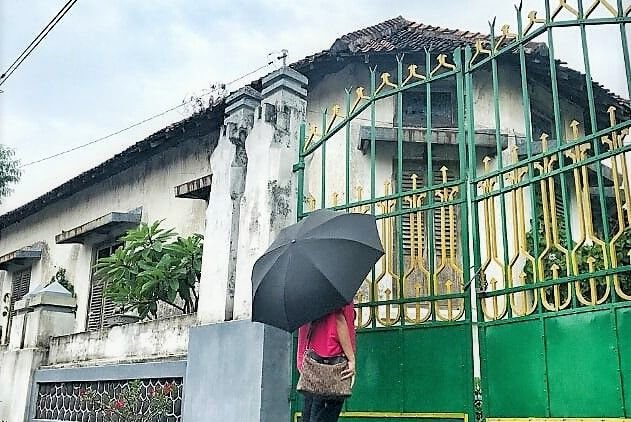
237,371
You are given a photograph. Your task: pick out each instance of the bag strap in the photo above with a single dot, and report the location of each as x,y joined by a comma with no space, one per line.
312,326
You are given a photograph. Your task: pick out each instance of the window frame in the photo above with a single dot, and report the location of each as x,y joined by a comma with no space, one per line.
13,298
106,304
440,89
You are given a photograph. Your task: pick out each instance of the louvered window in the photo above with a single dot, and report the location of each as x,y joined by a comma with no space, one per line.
20,284
100,307
415,106
419,168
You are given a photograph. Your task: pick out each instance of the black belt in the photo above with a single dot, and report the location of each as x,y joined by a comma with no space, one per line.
333,360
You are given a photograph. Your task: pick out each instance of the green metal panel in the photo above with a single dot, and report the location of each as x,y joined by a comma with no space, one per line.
583,365
437,375
623,317
513,363
378,372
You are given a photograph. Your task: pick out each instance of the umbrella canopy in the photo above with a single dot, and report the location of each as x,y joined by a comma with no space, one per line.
314,267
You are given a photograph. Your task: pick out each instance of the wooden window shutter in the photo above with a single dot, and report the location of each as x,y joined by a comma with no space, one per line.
417,167
20,284
99,307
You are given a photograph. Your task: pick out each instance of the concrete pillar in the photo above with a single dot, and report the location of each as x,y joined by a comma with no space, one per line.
228,164
252,360
269,200
43,313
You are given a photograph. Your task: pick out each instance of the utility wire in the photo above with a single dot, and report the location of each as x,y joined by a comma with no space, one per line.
155,116
36,41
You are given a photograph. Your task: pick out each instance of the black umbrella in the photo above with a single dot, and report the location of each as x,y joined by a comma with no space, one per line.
314,267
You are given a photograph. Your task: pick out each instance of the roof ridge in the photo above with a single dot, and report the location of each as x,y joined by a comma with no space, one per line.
370,33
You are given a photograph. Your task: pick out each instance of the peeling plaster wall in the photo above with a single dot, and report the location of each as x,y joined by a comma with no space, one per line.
160,339
16,369
148,185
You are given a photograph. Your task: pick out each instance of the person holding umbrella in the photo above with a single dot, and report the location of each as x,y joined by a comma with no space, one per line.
329,339
308,278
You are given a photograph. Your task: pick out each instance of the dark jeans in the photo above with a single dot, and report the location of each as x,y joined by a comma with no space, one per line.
320,409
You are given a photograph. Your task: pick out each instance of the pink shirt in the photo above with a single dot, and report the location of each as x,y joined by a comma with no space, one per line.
324,339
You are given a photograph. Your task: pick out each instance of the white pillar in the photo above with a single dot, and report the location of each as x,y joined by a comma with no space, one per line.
269,200
221,233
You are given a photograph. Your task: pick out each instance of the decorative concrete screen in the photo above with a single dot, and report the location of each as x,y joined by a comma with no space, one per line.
61,401
56,392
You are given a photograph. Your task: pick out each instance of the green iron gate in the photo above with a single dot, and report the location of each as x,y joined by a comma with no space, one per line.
521,232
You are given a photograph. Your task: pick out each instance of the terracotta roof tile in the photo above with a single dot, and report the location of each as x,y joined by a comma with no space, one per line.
402,35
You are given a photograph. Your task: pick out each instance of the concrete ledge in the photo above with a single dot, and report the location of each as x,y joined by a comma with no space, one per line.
173,369
20,258
157,339
104,226
246,97
285,79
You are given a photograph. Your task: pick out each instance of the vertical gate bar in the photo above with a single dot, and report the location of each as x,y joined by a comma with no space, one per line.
399,218
614,319
500,165
431,252
472,170
475,231
625,48
534,225
594,128
564,193
301,172
373,116
627,69
323,175
348,148
462,155
299,214
464,218
559,134
373,137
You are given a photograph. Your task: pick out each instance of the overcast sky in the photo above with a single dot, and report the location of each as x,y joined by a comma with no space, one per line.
109,64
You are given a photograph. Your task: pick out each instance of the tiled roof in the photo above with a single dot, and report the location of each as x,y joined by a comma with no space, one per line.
400,34
196,126
396,35
405,36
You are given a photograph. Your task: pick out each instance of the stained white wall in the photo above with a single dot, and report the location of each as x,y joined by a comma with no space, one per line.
148,185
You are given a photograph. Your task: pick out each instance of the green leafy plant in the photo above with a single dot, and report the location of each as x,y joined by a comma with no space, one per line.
154,265
9,170
60,277
129,405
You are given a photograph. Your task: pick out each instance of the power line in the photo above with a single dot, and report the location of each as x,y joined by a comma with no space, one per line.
36,41
155,116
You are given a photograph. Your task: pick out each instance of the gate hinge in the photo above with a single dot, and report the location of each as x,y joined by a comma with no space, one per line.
298,166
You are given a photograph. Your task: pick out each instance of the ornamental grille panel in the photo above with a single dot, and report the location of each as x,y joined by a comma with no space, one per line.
62,401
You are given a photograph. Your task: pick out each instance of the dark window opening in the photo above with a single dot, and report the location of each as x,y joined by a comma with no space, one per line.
415,109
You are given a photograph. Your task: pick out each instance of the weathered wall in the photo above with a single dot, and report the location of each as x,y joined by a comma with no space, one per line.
164,338
16,369
148,185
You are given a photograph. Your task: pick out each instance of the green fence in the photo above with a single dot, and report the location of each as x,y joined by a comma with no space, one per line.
524,233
